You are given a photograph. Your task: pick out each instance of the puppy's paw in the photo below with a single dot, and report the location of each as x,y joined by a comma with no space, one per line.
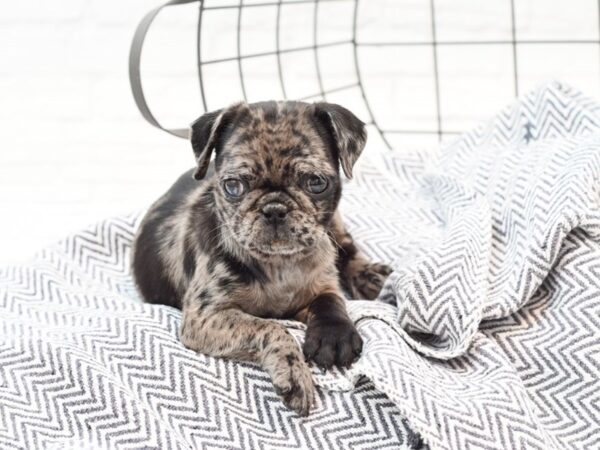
293,382
367,278
334,342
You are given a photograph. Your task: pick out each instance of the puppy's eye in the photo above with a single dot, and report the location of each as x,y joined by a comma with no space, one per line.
316,184
234,187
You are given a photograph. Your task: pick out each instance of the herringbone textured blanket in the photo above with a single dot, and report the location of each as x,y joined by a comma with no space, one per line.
488,335
494,341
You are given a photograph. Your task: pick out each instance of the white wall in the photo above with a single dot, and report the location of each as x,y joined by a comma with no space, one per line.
74,149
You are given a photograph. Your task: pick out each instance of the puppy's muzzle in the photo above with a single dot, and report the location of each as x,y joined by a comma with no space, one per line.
274,213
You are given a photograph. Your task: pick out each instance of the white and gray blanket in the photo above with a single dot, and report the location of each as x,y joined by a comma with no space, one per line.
494,337
487,335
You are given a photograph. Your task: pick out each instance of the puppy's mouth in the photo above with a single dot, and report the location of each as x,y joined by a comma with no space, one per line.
275,246
271,251
267,242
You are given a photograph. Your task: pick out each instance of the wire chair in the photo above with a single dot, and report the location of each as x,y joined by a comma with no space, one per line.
355,88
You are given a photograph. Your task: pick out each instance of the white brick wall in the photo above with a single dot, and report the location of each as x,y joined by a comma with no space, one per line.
74,149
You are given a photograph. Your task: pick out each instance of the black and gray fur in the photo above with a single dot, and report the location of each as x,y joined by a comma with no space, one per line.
255,236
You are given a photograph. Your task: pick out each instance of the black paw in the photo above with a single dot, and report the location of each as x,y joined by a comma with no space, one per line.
334,342
368,279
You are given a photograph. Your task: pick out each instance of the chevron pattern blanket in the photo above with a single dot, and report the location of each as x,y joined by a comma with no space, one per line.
487,335
490,337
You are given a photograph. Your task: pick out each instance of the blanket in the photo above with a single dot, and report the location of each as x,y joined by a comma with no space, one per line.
490,332
84,364
487,335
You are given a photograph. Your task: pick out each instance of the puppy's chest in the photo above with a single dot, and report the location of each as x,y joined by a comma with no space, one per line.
286,291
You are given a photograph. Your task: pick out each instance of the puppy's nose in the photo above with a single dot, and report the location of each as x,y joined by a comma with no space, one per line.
274,212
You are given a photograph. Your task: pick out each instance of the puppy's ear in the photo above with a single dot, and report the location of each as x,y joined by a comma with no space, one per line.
204,135
348,132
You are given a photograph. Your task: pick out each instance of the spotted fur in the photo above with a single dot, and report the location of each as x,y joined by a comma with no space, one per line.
234,264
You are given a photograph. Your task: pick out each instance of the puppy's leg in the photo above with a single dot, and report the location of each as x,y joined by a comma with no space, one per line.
362,278
331,337
234,334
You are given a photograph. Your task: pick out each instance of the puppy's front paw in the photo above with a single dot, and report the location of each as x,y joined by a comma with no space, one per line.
367,278
334,342
293,382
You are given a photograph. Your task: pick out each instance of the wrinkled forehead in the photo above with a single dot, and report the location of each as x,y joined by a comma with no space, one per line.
277,139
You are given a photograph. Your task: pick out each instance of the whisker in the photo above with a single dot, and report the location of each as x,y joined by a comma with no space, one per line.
335,242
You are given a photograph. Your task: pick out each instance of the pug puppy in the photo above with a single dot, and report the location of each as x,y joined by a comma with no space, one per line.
256,237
